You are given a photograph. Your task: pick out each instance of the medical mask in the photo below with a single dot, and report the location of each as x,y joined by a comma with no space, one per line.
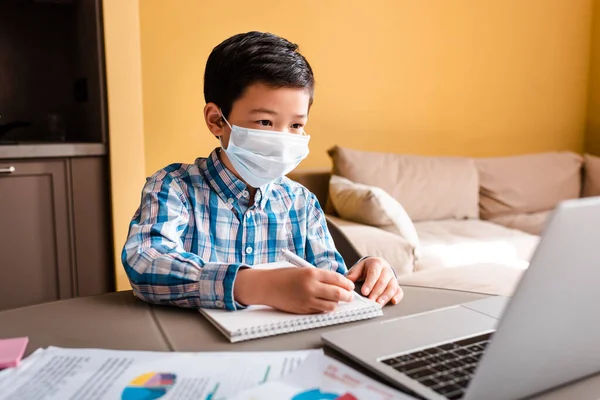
261,156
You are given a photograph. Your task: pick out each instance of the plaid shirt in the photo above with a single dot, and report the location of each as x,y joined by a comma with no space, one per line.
195,229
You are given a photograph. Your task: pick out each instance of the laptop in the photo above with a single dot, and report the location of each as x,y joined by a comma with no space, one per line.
546,335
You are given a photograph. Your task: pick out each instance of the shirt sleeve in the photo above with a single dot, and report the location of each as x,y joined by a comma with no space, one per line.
320,249
160,270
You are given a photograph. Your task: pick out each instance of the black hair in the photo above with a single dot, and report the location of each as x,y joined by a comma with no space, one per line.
254,57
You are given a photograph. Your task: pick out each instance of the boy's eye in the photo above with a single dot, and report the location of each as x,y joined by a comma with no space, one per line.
297,126
265,122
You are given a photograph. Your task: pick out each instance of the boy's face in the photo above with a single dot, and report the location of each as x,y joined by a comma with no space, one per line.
262,107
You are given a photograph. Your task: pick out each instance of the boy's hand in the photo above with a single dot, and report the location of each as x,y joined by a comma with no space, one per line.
380,283
295,290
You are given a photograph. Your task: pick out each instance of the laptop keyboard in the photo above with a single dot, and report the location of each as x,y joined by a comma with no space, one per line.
446,369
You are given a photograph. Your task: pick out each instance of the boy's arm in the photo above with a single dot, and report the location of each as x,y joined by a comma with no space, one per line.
159,268
320,249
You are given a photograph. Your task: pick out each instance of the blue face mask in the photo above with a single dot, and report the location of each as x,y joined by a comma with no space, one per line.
261,156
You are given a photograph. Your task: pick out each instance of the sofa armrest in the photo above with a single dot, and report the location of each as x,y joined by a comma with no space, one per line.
354,240
316,180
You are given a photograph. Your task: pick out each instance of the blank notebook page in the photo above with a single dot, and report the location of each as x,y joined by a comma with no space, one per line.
261,321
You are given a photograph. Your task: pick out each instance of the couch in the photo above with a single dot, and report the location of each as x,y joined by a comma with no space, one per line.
474,222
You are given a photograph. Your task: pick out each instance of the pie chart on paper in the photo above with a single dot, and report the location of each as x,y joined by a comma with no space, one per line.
149,386
316,394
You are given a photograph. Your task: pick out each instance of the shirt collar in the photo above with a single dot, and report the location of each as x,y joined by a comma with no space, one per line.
225,183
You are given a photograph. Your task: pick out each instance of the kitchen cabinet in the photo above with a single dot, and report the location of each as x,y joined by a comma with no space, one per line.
54,230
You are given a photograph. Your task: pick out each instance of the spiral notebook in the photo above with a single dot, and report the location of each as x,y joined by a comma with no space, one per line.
261,321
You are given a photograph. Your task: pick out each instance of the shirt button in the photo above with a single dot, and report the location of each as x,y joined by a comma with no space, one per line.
245,193
219,304
230,201
248,250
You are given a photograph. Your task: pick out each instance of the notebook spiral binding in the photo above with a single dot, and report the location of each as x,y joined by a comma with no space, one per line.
308,322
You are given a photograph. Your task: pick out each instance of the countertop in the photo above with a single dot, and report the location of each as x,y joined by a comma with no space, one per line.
46,150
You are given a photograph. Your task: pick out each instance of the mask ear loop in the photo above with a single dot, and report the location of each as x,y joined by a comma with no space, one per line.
225,119
228,124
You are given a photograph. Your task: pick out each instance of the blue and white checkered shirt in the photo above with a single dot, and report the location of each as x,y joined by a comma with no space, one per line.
195,229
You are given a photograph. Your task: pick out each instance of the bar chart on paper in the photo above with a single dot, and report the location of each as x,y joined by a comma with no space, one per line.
95,374
214,378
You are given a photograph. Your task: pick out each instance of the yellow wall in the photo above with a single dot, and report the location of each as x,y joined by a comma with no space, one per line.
461,77
124,81
593,116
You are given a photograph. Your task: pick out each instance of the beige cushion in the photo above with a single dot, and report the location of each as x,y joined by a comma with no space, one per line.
371,205
371,241
481,278
429,188
527,184
591,183
453,243
533,223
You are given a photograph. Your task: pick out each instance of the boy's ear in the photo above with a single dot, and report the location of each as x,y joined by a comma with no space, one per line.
214,119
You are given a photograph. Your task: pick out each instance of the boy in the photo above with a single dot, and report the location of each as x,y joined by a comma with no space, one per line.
201,227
